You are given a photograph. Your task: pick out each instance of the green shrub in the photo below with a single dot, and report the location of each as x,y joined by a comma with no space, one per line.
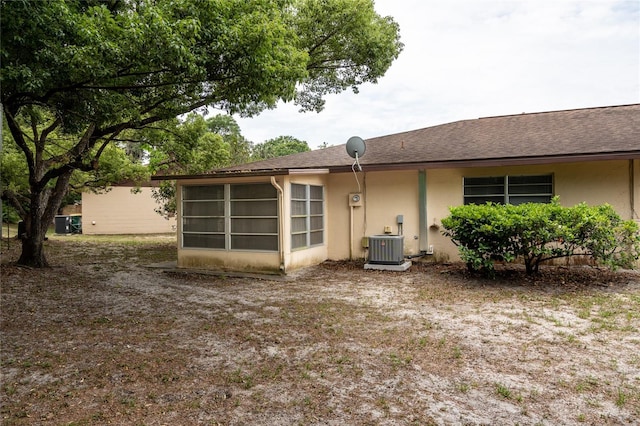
534,233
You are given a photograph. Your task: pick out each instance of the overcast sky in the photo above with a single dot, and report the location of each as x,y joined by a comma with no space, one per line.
467,59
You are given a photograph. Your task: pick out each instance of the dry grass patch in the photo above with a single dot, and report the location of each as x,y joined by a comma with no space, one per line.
101,339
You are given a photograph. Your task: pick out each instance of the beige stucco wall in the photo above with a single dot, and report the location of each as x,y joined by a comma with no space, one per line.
385,195
119,211
592,182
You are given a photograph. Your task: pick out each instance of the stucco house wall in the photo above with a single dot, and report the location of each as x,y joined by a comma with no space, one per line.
120,211
591,182
385,195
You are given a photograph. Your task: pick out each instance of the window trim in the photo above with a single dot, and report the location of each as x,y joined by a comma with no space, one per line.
308,216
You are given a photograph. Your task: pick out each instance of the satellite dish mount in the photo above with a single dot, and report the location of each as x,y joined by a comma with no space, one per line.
356,149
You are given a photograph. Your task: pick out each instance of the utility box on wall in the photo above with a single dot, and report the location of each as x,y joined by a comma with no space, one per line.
386,249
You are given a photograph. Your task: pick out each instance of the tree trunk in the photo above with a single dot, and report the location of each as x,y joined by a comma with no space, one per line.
43,208
33,244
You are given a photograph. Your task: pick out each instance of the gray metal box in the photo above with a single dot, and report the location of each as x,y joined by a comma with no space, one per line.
386,249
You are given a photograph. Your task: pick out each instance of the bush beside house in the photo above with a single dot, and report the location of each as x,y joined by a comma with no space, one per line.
534,233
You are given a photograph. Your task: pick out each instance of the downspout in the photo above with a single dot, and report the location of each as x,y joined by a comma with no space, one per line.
280,222
632,190
423,242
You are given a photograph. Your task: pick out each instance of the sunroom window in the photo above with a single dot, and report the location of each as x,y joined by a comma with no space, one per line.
307,216
231,216
508,189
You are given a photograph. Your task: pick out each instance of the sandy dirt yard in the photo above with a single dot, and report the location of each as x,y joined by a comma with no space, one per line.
100,338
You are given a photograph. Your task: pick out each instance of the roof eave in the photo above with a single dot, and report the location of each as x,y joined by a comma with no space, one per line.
245,173
493,162
462,163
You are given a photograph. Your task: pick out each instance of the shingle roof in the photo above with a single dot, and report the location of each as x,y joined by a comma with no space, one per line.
569,135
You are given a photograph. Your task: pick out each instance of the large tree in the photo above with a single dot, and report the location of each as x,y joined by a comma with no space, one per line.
93,69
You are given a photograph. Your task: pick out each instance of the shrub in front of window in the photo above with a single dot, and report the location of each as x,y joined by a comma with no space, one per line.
534,233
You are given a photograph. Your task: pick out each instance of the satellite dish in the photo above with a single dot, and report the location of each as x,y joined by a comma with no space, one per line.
355,147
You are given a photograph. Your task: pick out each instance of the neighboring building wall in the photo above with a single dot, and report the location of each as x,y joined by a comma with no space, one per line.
120,211
593,182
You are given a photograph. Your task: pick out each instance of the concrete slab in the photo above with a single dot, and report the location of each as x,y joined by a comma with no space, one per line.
380,267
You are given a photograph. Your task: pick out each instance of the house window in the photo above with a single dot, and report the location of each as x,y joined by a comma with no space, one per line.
203,216
253,217
508,189
307,216
232,217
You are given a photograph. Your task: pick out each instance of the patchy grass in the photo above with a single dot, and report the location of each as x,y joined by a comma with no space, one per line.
98,338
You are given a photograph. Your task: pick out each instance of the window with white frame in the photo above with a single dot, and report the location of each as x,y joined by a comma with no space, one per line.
307,216
508,189
230,216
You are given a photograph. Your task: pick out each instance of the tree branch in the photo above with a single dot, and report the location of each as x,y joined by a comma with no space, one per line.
18,137
12,198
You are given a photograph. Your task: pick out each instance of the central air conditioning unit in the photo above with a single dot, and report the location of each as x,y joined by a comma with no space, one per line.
386,249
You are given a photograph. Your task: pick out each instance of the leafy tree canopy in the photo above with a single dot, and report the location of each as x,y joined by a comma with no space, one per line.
277,147
92,70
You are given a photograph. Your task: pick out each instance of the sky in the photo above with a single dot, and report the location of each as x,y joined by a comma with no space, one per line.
465,59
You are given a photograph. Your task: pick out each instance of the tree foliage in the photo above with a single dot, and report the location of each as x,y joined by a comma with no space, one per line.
278,147
239,147
534,233
183,147
89,71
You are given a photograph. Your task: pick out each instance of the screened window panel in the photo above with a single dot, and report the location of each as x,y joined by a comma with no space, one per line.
254,208
298,192
203,224
483,181
208,192
253,191
529,199
316,207
316,192
530,189
298,208
483,200
298,224
210,241
484,190
298,240
254,242
203,208
316,238
317,222
528,180
254,226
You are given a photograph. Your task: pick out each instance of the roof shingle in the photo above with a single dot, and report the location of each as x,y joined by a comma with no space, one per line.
538,137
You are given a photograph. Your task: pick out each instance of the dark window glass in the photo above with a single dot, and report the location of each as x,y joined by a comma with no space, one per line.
254,242
253,191
211,241
209,192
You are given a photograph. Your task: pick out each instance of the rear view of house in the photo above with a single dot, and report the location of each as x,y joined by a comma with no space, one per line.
299,210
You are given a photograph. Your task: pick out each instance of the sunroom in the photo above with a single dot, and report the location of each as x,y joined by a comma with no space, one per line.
262,224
